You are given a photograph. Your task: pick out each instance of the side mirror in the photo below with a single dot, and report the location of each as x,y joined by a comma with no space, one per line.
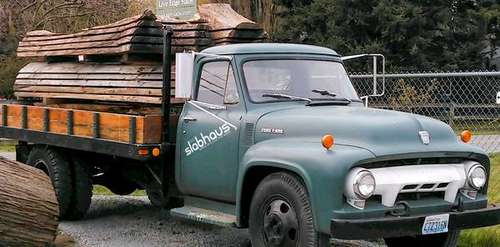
376,92
184,67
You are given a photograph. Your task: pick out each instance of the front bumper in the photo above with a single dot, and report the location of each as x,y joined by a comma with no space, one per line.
410,225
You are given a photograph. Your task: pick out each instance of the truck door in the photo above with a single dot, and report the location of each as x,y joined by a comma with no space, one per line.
210,126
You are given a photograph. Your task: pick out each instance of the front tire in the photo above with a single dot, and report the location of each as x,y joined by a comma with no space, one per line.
281,215
438,240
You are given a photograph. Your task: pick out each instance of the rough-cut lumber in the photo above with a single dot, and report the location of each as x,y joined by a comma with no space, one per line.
28,206
222,16
136,35
118,83
79,69
142,34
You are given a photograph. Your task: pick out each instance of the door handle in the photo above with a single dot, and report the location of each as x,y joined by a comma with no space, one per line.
189,119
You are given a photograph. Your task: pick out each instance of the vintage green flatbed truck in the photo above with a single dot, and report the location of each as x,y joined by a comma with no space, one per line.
274,138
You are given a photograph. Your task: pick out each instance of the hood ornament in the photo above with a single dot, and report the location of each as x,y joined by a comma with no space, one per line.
425,137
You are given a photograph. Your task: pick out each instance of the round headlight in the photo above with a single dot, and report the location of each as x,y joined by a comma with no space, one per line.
477,177
364,184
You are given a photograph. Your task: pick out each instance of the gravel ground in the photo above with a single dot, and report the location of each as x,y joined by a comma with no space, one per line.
123,221
131,221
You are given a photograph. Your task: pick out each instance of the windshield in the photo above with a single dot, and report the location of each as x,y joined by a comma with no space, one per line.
298,78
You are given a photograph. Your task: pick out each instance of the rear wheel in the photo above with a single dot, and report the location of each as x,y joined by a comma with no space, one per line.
439,240
155,194
280,214
57,167
82,190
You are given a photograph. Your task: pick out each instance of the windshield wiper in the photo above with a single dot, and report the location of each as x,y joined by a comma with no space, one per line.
333,95
286,96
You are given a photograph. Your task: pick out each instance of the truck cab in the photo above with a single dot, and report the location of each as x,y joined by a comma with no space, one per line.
274,137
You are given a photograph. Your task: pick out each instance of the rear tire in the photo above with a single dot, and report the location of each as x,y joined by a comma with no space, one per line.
155,194
56,166
281,215
438,240
82,190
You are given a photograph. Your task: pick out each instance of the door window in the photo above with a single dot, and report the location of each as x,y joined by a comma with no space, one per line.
217,84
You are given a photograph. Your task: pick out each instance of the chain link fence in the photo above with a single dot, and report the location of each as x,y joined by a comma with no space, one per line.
464,100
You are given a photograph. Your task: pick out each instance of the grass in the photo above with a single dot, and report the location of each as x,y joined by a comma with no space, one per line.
488,236
7,148
103,191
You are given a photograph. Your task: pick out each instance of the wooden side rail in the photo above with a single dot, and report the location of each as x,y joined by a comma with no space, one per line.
123,128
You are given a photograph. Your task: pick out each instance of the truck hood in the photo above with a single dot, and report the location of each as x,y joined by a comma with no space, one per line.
382,132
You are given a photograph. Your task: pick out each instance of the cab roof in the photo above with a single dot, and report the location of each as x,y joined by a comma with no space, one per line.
269,48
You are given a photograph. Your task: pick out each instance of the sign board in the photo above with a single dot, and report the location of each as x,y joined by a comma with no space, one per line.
179,9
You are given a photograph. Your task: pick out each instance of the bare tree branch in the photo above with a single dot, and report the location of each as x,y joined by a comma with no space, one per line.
39,24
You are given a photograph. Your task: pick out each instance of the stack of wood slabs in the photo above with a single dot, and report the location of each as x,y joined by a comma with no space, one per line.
193,34
135,46
229,27
106,126
115,83
138,34
141,34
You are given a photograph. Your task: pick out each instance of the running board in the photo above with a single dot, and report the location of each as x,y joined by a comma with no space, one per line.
205,216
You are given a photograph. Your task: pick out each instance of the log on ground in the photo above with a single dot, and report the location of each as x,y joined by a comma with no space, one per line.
28,206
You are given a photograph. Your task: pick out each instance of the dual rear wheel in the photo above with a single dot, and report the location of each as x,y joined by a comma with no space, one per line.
70,178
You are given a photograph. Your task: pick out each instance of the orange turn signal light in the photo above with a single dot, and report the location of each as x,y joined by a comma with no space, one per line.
466,136
327,141
143,152
156,152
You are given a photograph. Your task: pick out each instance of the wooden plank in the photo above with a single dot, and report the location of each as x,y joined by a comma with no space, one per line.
94,83
107,43
75,40
145,19
35,118
114,127
91,90
82,123
149,129
133,30
103,97
57,121
234,33
222,16
123,49
71,68
14,116
111,108
117,29
81,76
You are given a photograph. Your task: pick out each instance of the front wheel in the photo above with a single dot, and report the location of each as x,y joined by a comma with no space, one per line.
280,214
439,240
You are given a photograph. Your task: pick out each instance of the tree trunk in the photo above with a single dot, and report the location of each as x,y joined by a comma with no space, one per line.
28,206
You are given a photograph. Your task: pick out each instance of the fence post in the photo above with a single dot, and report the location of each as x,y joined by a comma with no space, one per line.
451,114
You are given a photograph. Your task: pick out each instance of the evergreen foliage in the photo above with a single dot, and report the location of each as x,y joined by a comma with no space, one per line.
415,35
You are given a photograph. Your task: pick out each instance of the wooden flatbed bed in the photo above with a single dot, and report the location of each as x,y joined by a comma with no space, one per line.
122,135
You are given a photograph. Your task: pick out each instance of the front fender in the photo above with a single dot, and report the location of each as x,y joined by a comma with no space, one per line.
322,171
